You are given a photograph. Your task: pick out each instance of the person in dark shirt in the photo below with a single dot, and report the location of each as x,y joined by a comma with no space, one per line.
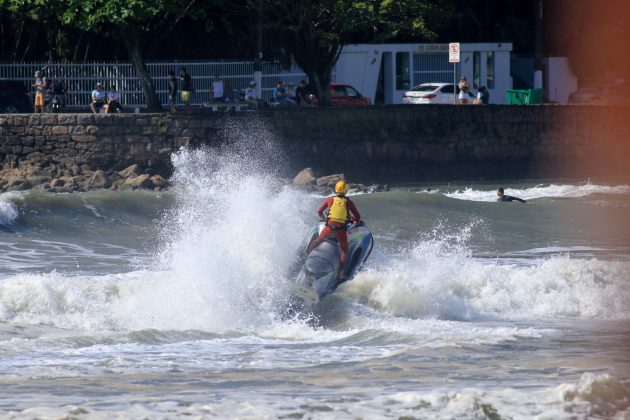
302,94
187,88
503,197
485,95
172,90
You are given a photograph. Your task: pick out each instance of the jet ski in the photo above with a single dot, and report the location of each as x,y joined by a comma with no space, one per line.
318,275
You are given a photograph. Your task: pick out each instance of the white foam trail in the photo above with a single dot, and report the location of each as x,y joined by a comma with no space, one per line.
440,278
8,209
540,191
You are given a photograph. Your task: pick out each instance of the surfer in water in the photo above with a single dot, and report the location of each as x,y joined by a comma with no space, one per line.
340,211
503,197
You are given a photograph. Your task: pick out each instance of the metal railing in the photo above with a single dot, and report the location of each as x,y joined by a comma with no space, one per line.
431,68
81,78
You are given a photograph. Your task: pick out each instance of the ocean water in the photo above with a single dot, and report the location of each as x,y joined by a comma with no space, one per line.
167,305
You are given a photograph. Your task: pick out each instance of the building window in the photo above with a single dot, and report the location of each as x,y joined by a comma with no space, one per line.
476,69
490,70
402,71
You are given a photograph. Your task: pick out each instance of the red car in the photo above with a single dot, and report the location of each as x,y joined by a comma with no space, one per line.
344,95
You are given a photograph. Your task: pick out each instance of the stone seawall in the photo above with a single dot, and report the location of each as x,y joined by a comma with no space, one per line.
394,143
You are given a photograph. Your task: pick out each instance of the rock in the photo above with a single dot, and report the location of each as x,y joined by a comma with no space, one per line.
38,180
140,181
16,180
55,183
129,170
67,181
124,187
305,177
17,183
99,180
158,181
80,182
329,180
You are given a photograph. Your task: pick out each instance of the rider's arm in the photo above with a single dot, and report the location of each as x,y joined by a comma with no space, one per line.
320,210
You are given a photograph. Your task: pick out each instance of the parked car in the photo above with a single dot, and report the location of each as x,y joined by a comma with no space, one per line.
344,95
434,93
601,95
14,97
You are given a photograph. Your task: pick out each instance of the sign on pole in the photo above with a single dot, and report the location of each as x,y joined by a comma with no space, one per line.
453,57
453,52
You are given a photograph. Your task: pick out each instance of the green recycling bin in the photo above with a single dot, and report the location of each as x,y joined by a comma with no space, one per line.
524,96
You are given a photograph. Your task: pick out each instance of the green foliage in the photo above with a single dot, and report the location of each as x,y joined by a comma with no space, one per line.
90,15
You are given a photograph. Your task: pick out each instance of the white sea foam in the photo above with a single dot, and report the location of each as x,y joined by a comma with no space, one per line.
604,396
222,251
540,191
8,208
438,277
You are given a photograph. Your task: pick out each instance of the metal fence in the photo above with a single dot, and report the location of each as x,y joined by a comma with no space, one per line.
81,78
432,68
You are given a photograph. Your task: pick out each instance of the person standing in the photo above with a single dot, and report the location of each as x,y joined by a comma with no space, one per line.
340,212
40,86
485,95
172,90
463,90
187,88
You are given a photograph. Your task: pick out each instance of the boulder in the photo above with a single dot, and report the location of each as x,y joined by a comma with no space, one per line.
16,179
38,180
17,183
57,182
158,181
129,170
140,181
305,177
99,180
329,180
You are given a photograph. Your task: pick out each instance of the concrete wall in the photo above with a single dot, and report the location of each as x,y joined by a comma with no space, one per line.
381,144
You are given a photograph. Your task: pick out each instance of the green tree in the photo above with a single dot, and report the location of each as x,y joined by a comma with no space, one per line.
316,30
138,24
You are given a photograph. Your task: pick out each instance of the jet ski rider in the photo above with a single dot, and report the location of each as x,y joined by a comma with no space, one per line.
340,211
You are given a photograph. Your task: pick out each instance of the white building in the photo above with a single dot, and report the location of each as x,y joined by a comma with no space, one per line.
383,72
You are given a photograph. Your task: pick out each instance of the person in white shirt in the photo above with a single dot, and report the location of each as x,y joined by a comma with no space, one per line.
216,89
113,100
98,98
250,95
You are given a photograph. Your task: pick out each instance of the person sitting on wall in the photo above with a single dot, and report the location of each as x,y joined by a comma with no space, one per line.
250,95
113,101
503,197
303,97
216,89
292,99
463,90
98,98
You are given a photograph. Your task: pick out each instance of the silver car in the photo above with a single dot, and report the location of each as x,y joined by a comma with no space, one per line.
434,93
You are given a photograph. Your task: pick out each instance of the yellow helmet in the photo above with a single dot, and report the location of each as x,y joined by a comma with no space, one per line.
341,187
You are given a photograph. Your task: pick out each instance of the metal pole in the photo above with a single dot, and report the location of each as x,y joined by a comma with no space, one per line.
455,83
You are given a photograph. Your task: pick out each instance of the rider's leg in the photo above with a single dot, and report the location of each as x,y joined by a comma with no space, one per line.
342,238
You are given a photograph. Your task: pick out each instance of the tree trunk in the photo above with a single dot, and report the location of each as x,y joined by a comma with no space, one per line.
132,43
